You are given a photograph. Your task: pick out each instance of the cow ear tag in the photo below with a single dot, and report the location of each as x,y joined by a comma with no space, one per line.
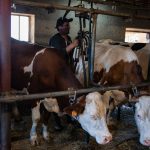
74,113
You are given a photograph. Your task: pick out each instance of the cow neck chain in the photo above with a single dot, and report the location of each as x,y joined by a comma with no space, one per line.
135,90
72,97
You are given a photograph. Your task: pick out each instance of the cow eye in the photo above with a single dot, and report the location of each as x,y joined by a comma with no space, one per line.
94,117
139,117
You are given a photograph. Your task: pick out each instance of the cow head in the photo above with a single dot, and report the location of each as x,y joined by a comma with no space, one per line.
91,114
142,117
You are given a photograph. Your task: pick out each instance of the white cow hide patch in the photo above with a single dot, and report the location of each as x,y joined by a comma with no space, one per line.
29,68
142,117
51,104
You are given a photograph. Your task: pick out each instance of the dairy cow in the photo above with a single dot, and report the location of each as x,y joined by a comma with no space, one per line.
142,50
42,69
118,64
142,107
142,118
114,64
142,111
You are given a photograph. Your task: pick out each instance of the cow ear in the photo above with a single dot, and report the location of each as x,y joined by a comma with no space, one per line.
74,110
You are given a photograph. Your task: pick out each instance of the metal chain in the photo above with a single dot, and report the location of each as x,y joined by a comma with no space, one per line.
72,97
135,91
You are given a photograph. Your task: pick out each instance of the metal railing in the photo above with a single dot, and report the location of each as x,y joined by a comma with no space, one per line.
13,98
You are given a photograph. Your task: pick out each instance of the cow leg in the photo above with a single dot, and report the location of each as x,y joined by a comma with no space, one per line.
45,118
35,120
58,126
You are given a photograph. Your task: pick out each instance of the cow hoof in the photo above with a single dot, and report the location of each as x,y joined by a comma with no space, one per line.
34,141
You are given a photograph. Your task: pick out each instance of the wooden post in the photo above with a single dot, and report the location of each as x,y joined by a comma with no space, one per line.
5,11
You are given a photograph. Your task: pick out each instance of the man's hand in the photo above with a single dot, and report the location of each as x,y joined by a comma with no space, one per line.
72,45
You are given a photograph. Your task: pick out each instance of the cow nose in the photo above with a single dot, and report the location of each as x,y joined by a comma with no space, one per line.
107,139
147,142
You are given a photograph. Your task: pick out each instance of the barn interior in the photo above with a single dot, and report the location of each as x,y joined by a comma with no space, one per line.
119,20
117,16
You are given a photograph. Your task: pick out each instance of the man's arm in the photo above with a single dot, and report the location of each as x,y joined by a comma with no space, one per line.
72,46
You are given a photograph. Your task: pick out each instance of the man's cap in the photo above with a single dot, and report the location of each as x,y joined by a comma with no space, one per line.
61,20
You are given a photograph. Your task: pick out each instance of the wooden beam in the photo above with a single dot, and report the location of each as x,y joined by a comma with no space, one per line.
80,9
121,4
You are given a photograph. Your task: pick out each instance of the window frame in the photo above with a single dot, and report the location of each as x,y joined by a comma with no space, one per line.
137,30
31,32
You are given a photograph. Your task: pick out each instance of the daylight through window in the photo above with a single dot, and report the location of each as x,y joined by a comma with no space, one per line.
134,35
22,27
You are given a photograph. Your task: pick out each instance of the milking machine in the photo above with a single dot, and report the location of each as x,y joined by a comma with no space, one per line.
83,51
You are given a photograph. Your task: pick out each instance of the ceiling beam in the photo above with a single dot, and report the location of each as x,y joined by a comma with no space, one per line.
80,9
128,5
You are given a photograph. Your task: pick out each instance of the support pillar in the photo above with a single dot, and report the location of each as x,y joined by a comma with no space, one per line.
5,11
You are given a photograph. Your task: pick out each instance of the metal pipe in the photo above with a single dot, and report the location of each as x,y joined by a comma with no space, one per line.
89,45
5,10
10,99
61,7
5,140
93,46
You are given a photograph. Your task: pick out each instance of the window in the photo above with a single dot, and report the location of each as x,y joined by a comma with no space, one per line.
135,35
22,27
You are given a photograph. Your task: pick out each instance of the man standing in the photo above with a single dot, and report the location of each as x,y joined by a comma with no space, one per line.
62,41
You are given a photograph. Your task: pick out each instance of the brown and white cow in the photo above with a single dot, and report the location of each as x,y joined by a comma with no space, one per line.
142,111
43,70
116,64
142,107
142,118
120,64
142,50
